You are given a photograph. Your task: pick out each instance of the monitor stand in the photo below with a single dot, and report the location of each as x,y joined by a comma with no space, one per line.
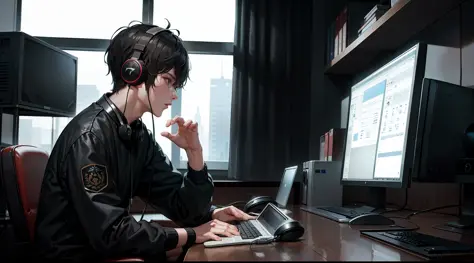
466,217
376,202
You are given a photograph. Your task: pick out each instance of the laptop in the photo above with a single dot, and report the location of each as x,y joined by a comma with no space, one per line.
285,186
258,231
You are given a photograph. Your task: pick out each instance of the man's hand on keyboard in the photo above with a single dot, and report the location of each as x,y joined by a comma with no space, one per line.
212,229
231,213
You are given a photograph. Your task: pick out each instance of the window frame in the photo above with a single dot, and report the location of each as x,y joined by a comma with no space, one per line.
193,47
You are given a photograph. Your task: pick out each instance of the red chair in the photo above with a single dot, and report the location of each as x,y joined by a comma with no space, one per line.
22,171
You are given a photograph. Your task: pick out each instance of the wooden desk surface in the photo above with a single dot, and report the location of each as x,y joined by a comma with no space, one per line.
326,240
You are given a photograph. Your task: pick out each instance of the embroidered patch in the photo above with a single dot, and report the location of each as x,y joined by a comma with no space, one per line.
94,177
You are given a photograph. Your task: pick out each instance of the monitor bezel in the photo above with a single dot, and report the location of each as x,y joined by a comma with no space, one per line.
24,37
408,155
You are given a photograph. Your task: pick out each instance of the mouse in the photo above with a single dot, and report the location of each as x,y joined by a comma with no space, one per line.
289,231
371,219
258,203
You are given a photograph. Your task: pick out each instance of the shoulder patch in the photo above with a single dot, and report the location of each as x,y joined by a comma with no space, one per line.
94,177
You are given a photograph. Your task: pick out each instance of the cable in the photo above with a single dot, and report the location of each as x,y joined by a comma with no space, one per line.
263,241
153,138
403,207
430,210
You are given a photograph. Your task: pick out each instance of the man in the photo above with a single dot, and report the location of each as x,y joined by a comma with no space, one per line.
106,156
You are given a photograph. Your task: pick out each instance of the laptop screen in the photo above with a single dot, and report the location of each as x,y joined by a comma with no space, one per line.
285,186
270,219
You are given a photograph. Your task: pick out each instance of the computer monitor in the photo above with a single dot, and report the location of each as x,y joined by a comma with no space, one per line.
381,125
286,185
445,142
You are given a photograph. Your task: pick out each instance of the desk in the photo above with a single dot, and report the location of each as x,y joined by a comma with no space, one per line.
326,240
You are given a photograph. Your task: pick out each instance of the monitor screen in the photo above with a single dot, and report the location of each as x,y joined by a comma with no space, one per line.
271,219
50,78
378,122
285,186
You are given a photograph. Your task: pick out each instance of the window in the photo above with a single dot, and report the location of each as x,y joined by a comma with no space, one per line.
205,20
78,19
206,98
36,131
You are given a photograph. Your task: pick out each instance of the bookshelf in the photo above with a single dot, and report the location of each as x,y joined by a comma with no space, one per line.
400,23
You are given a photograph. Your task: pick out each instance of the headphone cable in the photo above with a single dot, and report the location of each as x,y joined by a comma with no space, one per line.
153,134
129,156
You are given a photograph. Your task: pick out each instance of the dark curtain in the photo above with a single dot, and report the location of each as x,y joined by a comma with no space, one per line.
270,119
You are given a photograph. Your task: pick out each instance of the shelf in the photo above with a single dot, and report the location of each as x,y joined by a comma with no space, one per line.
24,110
398,25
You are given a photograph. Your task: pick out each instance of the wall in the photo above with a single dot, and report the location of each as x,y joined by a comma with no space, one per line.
446,36
324,92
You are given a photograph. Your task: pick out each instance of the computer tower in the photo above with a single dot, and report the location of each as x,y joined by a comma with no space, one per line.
321,183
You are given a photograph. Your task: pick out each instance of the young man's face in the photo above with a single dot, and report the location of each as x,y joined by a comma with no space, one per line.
162,95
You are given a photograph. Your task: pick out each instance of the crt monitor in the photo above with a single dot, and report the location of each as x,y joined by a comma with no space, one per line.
445,143
383,107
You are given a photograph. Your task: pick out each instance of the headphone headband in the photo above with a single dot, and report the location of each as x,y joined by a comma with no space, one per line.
134,71
144,40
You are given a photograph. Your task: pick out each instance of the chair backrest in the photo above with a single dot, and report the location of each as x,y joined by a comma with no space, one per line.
22,171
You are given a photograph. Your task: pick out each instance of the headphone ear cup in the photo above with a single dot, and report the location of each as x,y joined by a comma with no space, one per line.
125,132
133,72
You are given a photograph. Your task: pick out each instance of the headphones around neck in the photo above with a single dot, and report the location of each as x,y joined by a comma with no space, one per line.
124,130
133,71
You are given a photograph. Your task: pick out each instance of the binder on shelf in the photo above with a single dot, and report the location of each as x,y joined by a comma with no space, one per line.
336,137
345,27
322,148
326,146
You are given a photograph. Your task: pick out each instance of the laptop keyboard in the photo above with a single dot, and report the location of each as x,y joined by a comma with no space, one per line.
247,230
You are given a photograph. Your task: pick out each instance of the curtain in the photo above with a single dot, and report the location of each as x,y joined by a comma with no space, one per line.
270,116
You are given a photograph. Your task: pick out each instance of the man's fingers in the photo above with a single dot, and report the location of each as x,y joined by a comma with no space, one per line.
225,231
249,217
223,224
222,232
179,120
187,124
167,135
228,229
240,214
193,127
213,236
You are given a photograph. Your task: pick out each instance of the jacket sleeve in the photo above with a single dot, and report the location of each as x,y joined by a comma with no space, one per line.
185,199
112,232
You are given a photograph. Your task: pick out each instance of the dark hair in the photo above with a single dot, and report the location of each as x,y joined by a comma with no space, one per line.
164,52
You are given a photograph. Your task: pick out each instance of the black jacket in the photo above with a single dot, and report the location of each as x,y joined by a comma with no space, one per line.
92,174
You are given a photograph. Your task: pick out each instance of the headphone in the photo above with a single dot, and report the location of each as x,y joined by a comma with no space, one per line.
124,130
134,71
